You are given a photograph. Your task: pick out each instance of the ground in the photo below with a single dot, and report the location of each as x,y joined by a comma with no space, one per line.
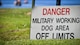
15,29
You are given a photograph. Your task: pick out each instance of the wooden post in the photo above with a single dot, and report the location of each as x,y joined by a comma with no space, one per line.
33,3
58,2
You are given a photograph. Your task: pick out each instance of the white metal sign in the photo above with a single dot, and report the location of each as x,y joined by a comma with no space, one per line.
55,22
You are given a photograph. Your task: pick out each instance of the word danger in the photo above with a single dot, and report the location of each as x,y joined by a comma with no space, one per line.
56,11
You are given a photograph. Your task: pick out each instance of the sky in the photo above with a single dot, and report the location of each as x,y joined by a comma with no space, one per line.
10,3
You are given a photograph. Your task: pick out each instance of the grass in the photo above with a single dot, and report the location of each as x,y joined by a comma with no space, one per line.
14,24
15,29
43,42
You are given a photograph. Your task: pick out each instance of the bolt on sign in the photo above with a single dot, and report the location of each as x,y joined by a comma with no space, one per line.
55,22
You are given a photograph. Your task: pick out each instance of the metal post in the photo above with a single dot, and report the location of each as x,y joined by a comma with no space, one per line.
0,3
58,2
33,3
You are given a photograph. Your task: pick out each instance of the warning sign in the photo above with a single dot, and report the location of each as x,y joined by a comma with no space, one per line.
55,22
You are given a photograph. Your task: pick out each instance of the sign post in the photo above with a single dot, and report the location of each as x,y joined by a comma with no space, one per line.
58,2
0,3
33,3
